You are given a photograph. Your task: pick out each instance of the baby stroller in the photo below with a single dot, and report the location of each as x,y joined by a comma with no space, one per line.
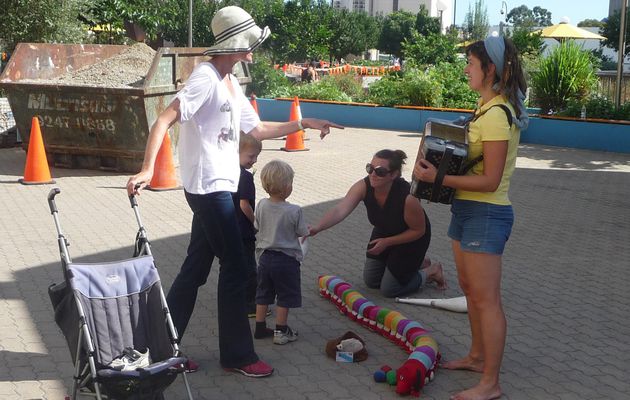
116,322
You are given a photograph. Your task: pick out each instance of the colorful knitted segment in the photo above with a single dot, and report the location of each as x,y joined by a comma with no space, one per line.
410,335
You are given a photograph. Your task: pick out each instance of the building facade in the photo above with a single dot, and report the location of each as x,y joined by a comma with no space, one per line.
613,6
442,9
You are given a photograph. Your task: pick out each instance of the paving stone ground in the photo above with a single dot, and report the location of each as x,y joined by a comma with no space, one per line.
565,284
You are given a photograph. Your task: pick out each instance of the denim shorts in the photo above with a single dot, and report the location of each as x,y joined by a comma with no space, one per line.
481,227
279,277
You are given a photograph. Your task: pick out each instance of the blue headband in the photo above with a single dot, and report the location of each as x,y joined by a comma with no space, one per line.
495,47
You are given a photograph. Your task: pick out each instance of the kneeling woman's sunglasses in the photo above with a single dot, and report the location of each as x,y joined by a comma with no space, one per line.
379,171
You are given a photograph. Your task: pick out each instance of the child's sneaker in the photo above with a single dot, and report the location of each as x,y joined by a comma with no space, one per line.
280,337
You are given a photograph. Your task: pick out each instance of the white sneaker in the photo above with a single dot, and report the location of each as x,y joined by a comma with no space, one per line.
280,337
130,360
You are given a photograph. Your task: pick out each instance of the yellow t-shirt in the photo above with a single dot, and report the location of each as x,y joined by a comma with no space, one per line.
492,126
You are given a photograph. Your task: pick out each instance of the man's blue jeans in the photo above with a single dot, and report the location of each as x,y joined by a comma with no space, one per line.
215,232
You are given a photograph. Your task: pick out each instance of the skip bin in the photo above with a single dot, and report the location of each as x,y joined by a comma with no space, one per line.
94,126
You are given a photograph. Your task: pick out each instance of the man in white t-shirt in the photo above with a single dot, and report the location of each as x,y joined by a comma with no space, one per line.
212,111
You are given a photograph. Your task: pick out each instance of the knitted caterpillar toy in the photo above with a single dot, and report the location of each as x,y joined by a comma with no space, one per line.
420,367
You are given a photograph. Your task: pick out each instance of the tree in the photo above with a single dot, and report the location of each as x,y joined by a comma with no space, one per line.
342,41
430,49
41,21
177,29
300,30
542,17
611,32
155,17
351,33
589,22
425,24
396,27
476,24
372,27
169,18
522,16
602,61
527,43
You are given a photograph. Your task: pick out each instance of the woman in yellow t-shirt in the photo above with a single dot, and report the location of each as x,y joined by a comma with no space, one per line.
482,215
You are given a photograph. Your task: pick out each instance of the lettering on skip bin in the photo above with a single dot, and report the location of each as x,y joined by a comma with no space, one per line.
42,102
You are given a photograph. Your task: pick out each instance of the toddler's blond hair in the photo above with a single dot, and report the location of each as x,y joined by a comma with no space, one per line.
276,176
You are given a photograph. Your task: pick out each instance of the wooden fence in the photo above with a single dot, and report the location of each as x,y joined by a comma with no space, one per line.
608,82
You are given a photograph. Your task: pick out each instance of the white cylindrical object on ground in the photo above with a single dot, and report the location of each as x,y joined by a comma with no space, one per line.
456,304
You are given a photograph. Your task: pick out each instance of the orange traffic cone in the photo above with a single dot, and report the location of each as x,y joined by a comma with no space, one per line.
295,140
36,171
252,100
164,177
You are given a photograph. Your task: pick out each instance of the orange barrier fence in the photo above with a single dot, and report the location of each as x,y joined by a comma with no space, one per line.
294,69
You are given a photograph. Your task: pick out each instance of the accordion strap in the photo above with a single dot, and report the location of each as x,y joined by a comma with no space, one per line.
506,110
441,171
471,164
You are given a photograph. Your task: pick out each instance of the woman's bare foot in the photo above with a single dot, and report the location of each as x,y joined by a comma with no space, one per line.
467,363
479,392
426,263
436,274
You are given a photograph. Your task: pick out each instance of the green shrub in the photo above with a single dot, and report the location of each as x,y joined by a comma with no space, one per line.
566,73
324,89
350,84
623,112
455,90
388,91
421,90
597,106
267,81
442,85
413,87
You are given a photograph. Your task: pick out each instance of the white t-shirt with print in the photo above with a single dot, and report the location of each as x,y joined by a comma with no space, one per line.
209,134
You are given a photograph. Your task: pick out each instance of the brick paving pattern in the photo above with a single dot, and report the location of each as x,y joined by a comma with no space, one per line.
565,283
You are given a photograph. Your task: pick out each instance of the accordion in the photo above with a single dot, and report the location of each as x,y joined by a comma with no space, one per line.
445,145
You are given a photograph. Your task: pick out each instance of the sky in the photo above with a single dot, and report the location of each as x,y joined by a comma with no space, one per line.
576,10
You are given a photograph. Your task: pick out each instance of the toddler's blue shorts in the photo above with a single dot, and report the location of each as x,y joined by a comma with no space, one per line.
279,277
481,227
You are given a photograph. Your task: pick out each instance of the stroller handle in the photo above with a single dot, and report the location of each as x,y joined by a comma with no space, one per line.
51,199
132,197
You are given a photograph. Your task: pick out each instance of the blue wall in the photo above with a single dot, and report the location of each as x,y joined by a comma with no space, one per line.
553,132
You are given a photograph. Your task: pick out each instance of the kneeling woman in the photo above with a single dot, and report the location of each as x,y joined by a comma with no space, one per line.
395,259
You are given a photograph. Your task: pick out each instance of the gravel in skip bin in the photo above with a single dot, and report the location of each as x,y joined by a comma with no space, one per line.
127,69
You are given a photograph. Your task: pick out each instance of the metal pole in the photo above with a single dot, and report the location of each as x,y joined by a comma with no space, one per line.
454,12
504,11
620,54
190,24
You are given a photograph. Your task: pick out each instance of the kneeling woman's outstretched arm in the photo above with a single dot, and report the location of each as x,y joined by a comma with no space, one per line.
341,210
